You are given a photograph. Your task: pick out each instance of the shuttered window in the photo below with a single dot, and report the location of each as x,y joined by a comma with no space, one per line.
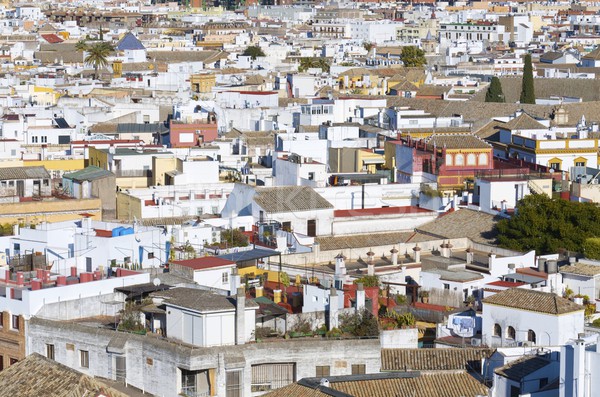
272,376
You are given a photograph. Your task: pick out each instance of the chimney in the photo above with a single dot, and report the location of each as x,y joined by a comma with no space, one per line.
111,149
86,152
44,152
333,308
449,249
469,252
370,269
443,248
276,295
417,254
491,257
259,291
360,297
240,316
73,271
340,270
36,285
394,253
20,278
61,280
234,280
39,273
579,368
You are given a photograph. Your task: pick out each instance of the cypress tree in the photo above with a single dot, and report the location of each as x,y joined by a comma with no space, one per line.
494,91
527,90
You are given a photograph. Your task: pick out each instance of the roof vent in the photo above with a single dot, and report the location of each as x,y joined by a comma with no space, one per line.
324,382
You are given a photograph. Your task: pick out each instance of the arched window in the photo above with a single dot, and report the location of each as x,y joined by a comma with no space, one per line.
497,330
510,333
471,159
459,159
448,159
531,336
483,159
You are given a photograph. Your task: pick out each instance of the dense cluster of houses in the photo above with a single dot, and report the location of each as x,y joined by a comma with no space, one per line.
260,198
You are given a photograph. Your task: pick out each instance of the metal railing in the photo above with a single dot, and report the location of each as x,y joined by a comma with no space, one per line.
192,391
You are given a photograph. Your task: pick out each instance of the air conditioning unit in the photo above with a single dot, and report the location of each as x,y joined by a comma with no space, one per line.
475,342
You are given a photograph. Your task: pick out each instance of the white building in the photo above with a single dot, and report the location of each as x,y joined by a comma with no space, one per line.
526,317
294,170
202,318
210,272
486,32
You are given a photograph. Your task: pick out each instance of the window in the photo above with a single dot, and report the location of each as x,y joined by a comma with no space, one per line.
448,159
1,363
543,382
225,277
580,164
483,159
267,377
497,330
84,358
44,139
286,226
510,333
446,286
34,139
531,336
50,351
15,322
13,360
555,166
459,160
311,176
233,381
323,371
1,319
358,369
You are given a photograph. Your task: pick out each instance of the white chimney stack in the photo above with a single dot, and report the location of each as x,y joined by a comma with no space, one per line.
360,297
417,251
394,253
333,309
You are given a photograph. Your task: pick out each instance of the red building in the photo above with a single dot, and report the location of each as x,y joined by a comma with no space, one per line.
192,134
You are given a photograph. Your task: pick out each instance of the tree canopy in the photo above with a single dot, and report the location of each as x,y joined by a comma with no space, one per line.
309,63
253,52
413,56
96,54
527,88
494,92
548,225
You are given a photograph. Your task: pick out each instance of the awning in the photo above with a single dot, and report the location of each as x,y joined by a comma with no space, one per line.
250,255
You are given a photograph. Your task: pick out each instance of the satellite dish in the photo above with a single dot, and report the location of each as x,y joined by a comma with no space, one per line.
156,282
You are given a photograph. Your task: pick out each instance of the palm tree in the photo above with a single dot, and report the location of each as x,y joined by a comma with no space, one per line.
306,63
81,46
97,56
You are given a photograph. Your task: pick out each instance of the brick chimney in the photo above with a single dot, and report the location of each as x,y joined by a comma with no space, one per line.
240,316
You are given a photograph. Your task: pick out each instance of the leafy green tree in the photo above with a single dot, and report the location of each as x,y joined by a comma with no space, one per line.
97,55
368,281
494,92
253,52
548,225
234,238
368,46
413,56
527,88
359,324
591,248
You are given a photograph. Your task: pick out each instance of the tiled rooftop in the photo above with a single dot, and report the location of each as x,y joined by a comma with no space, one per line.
431,359
535,301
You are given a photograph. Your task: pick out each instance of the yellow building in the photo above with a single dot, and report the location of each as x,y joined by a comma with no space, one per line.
51,210
203,83
350,160
44,96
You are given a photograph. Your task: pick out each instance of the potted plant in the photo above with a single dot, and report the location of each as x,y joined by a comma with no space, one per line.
425,296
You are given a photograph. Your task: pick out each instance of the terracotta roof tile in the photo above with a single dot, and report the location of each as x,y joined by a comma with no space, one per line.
432,359
581,269
289,199
535,301
457,141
